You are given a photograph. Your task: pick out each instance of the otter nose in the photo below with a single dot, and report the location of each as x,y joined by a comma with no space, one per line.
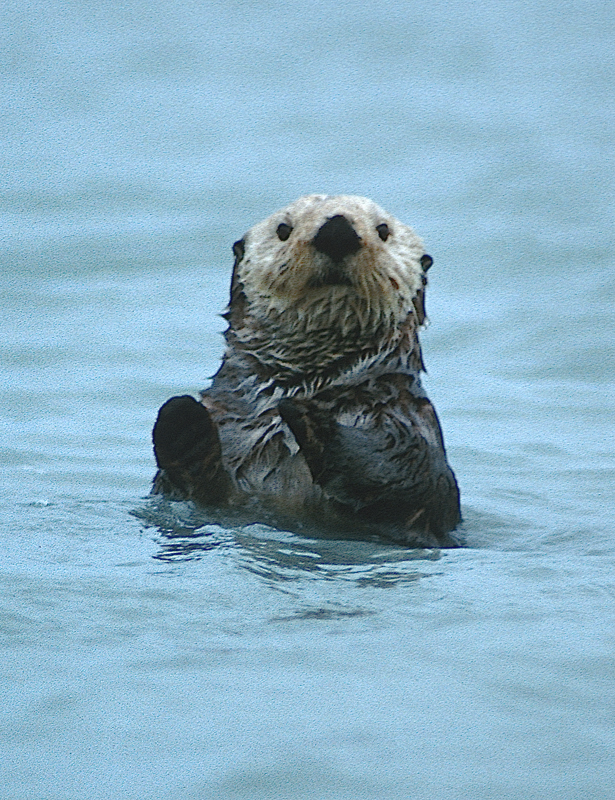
337,238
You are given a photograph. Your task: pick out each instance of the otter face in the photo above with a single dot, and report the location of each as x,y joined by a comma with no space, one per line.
335,253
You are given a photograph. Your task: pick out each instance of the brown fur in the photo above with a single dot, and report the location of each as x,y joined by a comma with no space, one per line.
317,412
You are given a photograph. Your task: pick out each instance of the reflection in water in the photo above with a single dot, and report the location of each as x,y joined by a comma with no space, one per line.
185,533
323,614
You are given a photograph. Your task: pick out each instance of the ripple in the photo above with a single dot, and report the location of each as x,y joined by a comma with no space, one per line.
280,557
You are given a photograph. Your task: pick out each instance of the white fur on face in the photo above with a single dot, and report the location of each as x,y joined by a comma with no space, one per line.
383,276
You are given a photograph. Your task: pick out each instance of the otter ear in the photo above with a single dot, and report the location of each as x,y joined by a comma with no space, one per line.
239,248
426,262
418,300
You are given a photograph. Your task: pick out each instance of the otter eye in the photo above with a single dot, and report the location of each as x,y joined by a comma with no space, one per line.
284,231
383,231
426,262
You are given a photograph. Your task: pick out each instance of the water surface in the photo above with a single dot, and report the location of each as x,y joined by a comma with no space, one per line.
149,652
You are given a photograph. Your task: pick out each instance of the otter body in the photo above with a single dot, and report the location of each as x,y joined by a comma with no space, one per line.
317,413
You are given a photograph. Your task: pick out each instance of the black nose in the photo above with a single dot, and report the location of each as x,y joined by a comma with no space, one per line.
337,238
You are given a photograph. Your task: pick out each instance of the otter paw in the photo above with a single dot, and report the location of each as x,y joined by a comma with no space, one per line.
188,452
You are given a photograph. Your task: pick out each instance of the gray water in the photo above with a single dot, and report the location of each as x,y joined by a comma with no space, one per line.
149,654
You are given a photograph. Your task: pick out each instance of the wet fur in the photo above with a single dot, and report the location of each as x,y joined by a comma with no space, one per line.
317,413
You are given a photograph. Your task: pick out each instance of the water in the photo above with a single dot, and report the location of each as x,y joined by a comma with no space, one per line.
151,654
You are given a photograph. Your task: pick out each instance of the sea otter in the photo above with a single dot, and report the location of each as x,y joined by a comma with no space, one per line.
317,413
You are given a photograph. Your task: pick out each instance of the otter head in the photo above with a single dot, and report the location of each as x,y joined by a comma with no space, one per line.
331,275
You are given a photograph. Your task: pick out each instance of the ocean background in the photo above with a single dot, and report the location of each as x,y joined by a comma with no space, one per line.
148,654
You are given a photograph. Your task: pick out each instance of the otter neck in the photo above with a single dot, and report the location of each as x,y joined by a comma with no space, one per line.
284,351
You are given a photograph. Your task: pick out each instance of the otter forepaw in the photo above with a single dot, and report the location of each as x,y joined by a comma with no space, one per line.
311,430
188,453
335,455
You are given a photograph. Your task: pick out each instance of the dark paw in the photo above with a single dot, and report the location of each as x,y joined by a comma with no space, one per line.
187,450
182,422
313,431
